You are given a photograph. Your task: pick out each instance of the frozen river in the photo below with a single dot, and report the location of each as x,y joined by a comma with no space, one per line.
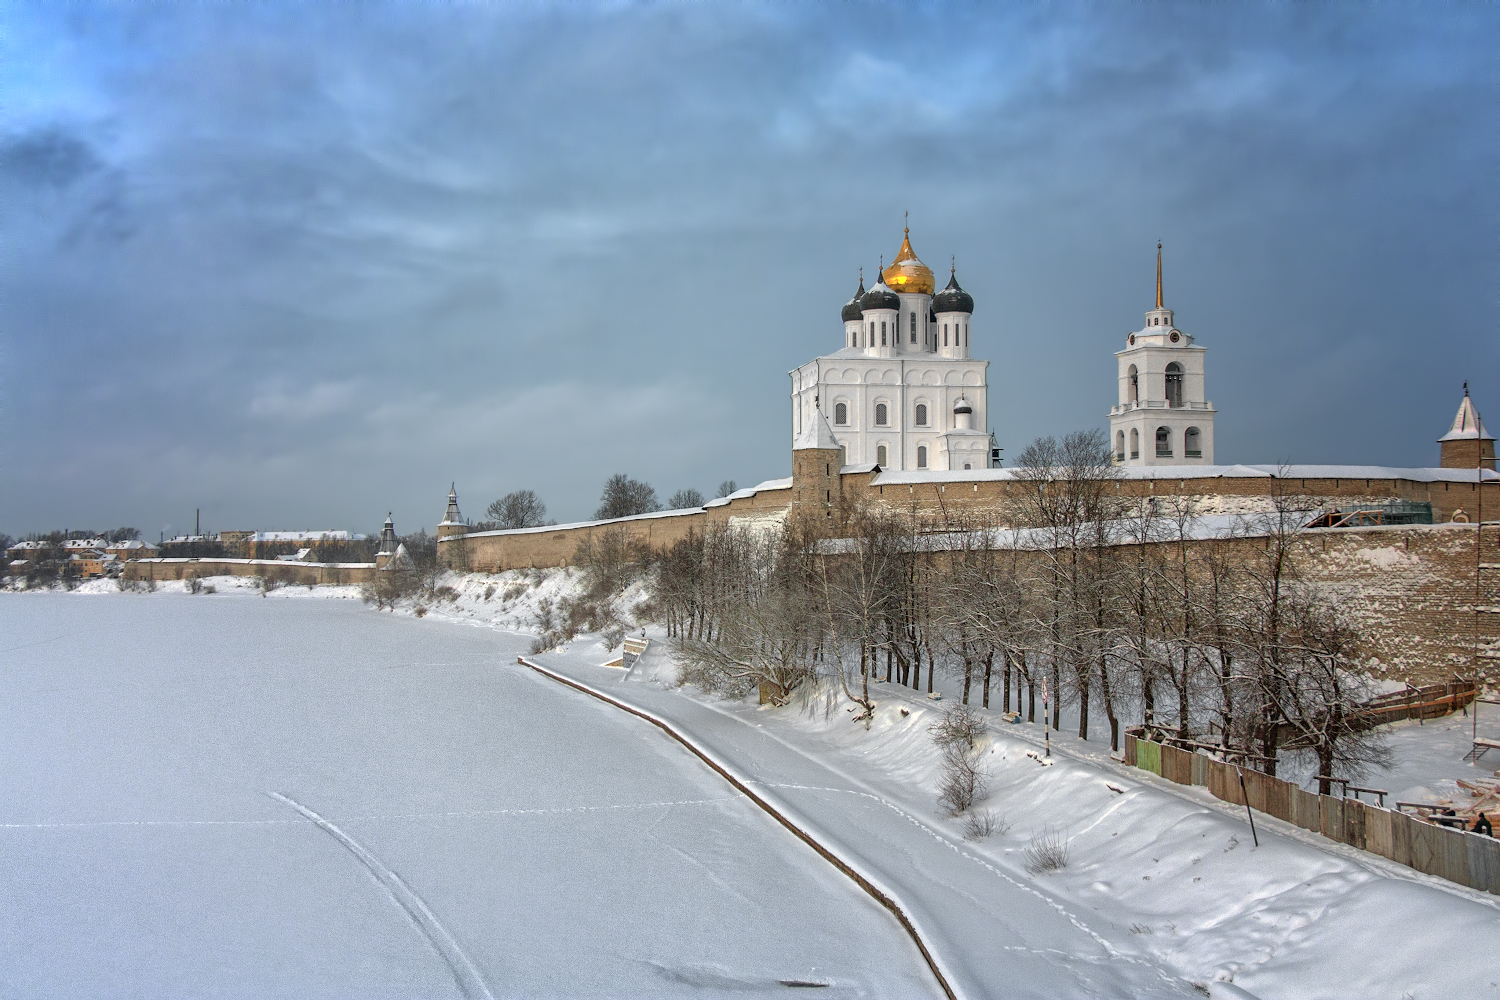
233,796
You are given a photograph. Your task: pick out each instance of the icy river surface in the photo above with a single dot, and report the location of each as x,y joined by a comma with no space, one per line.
223,795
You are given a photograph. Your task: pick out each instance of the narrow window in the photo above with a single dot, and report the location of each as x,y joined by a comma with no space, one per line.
880,415
945,334
1163,443
882,333
921,456
921,414
880,456
1120,446
966,335
1133,394
913,328
1135,443
841,413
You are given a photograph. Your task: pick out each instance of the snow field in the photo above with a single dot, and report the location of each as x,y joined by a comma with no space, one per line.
168,757
1163,893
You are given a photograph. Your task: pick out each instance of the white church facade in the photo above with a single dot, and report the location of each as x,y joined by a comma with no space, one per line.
1162,416
902,392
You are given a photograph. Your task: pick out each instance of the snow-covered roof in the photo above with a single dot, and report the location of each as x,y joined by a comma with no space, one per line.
306,536
750,491
129,545
543,529
212,560
1466,423
816,434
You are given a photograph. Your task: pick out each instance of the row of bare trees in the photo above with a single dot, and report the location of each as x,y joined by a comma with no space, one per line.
1201,629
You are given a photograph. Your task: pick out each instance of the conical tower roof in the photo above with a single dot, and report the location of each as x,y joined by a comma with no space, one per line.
1466,423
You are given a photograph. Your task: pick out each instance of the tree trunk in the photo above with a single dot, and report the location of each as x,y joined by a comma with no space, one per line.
1056,692
1005,673
989,662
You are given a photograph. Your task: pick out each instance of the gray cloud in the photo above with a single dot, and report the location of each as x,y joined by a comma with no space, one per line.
301,265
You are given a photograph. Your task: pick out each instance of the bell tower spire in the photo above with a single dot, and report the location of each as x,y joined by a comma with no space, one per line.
1158,274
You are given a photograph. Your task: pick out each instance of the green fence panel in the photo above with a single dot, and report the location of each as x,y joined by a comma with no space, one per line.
1148,756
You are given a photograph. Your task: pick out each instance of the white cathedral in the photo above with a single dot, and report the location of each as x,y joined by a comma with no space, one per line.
902,392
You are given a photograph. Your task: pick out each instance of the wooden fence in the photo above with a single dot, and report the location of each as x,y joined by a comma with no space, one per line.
1469,859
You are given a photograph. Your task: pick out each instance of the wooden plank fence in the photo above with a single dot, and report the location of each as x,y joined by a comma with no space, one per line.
1459,856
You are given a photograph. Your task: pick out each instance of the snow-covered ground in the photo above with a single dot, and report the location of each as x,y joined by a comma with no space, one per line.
1164,893
1164,888
223,795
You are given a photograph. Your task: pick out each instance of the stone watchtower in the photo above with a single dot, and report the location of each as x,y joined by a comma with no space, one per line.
1467,444
817,487
388,544
452,522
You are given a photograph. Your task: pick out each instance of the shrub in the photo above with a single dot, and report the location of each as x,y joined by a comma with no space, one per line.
1047,852
984,823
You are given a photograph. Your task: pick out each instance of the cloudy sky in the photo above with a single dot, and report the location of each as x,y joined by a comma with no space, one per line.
300,264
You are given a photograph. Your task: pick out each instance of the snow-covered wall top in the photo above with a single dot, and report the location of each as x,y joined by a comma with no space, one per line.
770,484
1194,472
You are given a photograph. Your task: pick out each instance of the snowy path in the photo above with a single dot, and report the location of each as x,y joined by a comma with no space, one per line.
997,934
224,796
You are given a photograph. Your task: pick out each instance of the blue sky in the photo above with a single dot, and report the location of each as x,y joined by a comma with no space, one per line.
299,264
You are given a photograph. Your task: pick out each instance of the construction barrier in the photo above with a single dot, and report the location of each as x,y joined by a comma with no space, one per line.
1459,856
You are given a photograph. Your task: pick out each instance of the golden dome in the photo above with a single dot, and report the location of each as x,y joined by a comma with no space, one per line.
907,274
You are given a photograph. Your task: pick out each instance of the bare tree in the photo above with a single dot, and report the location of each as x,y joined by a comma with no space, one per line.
725,488
626,497
683,499
768,636
520,509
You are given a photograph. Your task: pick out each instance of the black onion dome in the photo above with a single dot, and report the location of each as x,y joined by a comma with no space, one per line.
851,308
879,297
962,406
953,299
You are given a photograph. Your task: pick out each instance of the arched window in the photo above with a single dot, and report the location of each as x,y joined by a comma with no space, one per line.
921,414
1119,446
880,415
1192,443
880,456
1133,393
1163,443
1135,443
967,465
843,455
913,328
1174,384
921,456
841,413
882,333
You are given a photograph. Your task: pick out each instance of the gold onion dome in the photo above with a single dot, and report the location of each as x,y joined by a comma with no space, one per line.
907,274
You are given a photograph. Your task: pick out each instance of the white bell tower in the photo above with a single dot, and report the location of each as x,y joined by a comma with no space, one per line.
1163,416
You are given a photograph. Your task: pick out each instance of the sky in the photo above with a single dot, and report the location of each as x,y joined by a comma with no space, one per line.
300,264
